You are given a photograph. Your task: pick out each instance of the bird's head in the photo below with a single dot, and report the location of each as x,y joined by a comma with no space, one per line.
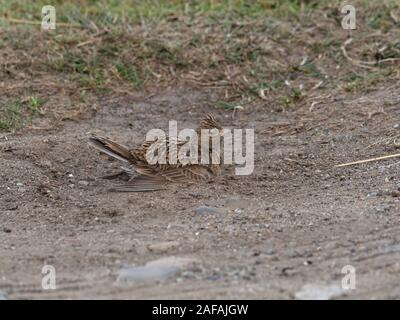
209,122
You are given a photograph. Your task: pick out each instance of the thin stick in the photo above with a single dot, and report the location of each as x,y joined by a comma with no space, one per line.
354,61
368,160
362,63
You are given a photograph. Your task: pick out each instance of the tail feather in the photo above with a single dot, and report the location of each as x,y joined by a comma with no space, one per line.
110,148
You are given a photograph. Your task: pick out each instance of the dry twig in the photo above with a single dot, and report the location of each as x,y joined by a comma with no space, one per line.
368,160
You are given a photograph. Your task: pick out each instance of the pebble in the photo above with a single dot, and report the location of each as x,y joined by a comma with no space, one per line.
146,274
374,194
162,247
195,195
395,194
47,163
83,183
207,210
154,271
237,203
318,292
179,262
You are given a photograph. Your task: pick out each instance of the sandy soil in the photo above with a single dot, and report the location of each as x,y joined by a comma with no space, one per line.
295,222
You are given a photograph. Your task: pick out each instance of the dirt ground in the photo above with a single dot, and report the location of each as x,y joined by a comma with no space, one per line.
296,220
284,232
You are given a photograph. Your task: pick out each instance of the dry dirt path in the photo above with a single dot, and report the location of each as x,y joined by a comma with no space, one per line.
286,231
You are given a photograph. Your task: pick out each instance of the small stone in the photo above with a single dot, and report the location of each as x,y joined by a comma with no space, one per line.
162,247
111,212
207,210
12,207
46,163
178,262
374,194
195,195
145,274
395,194
83,183
214,277
7,230
154,271
318,292
255,253
237,203
19,184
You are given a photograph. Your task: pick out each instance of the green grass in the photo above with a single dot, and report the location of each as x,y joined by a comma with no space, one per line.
359,82
238,48
224,105
35,104
128,73
113,12
288,100
11,116
17,114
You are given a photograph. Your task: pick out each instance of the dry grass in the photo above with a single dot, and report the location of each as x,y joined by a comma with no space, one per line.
270,55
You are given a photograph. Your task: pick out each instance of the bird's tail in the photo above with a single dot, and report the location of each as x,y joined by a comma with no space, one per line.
110,148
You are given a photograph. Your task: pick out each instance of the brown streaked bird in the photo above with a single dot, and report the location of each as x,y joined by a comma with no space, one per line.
151,177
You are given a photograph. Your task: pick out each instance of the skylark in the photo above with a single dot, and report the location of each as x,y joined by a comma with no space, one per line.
148,176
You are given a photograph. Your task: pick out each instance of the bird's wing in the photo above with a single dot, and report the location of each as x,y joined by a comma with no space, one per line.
111,148
189,173
171,172
159,149
156,181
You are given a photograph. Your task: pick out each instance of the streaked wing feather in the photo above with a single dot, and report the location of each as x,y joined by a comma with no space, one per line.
187,174
110,148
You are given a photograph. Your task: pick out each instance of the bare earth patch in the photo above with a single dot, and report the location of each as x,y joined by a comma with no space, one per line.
296,220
